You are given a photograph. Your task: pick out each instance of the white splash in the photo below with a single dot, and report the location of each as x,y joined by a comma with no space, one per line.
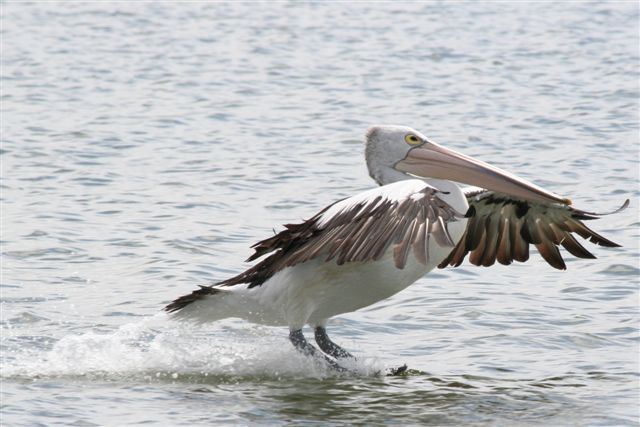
149,350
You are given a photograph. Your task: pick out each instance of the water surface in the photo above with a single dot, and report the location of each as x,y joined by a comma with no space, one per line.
145,146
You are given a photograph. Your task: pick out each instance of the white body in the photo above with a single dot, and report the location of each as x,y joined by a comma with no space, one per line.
314,291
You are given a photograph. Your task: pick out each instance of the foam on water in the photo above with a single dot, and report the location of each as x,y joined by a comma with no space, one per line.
149,349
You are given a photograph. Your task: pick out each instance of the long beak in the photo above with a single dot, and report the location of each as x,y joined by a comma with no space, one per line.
431,160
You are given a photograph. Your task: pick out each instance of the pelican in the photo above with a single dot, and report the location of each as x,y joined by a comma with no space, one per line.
363,249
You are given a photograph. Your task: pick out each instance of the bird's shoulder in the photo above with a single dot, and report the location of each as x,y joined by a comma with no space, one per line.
375,197
357,229
396,202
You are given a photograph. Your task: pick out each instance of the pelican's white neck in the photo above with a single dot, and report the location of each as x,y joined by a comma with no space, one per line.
384,175
380,165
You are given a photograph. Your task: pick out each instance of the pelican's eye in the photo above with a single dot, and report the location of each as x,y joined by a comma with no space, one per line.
412,139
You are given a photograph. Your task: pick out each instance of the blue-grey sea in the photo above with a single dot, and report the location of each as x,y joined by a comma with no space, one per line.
147,145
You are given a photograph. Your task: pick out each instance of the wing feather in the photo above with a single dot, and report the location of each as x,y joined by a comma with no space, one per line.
503,253
575,248
520,246
441,234
478,253
475,229
358,230
491,240
401,250
418,240
501,228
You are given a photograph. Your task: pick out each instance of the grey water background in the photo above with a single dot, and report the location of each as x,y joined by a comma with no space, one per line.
146,146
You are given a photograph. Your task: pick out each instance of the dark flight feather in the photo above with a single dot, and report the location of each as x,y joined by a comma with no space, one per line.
501,229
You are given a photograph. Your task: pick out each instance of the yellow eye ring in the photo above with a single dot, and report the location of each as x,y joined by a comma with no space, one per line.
411,139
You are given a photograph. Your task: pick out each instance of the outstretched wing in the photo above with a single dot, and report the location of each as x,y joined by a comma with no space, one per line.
404,215
501,228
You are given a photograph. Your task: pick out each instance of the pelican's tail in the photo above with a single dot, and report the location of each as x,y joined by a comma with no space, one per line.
208,304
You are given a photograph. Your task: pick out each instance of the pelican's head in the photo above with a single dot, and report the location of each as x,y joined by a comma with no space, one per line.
400,152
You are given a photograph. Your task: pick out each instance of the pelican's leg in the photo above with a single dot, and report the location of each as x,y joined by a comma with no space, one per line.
334,350
328,346
302,345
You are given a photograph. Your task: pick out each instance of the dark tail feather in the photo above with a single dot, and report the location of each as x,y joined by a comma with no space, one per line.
185,300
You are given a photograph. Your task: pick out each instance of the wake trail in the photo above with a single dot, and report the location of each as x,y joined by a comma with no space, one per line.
157,348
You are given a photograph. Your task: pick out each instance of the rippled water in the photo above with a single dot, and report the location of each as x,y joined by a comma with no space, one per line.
145,146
